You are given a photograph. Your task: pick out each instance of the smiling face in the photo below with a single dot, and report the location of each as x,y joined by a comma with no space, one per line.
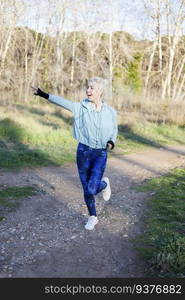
94,91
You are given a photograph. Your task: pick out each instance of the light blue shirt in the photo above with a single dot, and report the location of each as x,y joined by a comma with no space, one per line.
90,127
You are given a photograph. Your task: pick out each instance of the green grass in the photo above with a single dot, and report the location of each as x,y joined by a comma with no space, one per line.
163,243
30,137
39,135
10,198
147,134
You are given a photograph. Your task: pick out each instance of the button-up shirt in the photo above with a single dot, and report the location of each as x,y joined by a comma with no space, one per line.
90,127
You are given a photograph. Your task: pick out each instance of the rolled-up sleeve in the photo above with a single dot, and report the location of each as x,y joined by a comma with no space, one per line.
67,104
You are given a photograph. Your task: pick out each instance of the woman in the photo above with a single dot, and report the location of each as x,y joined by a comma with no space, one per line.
95,128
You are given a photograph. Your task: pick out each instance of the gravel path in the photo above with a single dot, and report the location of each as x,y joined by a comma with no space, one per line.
45,236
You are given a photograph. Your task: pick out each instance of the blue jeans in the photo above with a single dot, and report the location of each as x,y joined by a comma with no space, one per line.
91,164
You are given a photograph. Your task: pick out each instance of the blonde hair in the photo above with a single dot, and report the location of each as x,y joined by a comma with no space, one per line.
104,85
98,81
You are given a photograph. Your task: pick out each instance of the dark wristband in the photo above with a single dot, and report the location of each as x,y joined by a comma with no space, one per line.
42,94
112,144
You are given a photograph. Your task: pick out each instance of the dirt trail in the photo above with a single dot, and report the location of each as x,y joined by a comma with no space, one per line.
45,236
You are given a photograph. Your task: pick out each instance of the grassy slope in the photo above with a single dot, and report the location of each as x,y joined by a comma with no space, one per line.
34,136
163,244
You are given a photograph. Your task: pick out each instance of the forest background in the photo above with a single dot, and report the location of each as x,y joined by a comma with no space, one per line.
145,76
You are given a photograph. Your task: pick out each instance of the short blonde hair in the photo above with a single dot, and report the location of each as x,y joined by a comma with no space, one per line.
104,84
96,81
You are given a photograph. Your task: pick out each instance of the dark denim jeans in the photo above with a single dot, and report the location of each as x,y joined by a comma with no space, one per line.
91,165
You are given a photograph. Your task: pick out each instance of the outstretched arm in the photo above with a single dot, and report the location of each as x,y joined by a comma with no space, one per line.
67,104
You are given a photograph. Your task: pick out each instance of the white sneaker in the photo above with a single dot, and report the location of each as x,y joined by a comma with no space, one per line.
92,221
107,191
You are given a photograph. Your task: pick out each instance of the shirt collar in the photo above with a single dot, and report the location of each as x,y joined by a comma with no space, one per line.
90,105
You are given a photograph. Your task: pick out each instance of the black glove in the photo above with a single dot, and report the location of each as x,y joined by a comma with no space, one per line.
42,94
111,143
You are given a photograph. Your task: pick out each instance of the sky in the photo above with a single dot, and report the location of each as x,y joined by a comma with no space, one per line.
89,15
97,15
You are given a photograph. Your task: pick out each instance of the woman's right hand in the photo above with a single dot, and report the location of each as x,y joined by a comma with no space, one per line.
35,90
39,92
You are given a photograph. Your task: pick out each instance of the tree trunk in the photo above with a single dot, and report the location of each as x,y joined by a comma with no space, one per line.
73,58
150,67
110,63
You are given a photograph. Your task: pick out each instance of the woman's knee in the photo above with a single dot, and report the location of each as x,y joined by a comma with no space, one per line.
92,188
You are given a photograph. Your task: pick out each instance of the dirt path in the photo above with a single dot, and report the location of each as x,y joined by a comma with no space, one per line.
45,236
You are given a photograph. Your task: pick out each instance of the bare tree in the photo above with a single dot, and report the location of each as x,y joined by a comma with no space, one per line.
179,19
10,12
168,19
